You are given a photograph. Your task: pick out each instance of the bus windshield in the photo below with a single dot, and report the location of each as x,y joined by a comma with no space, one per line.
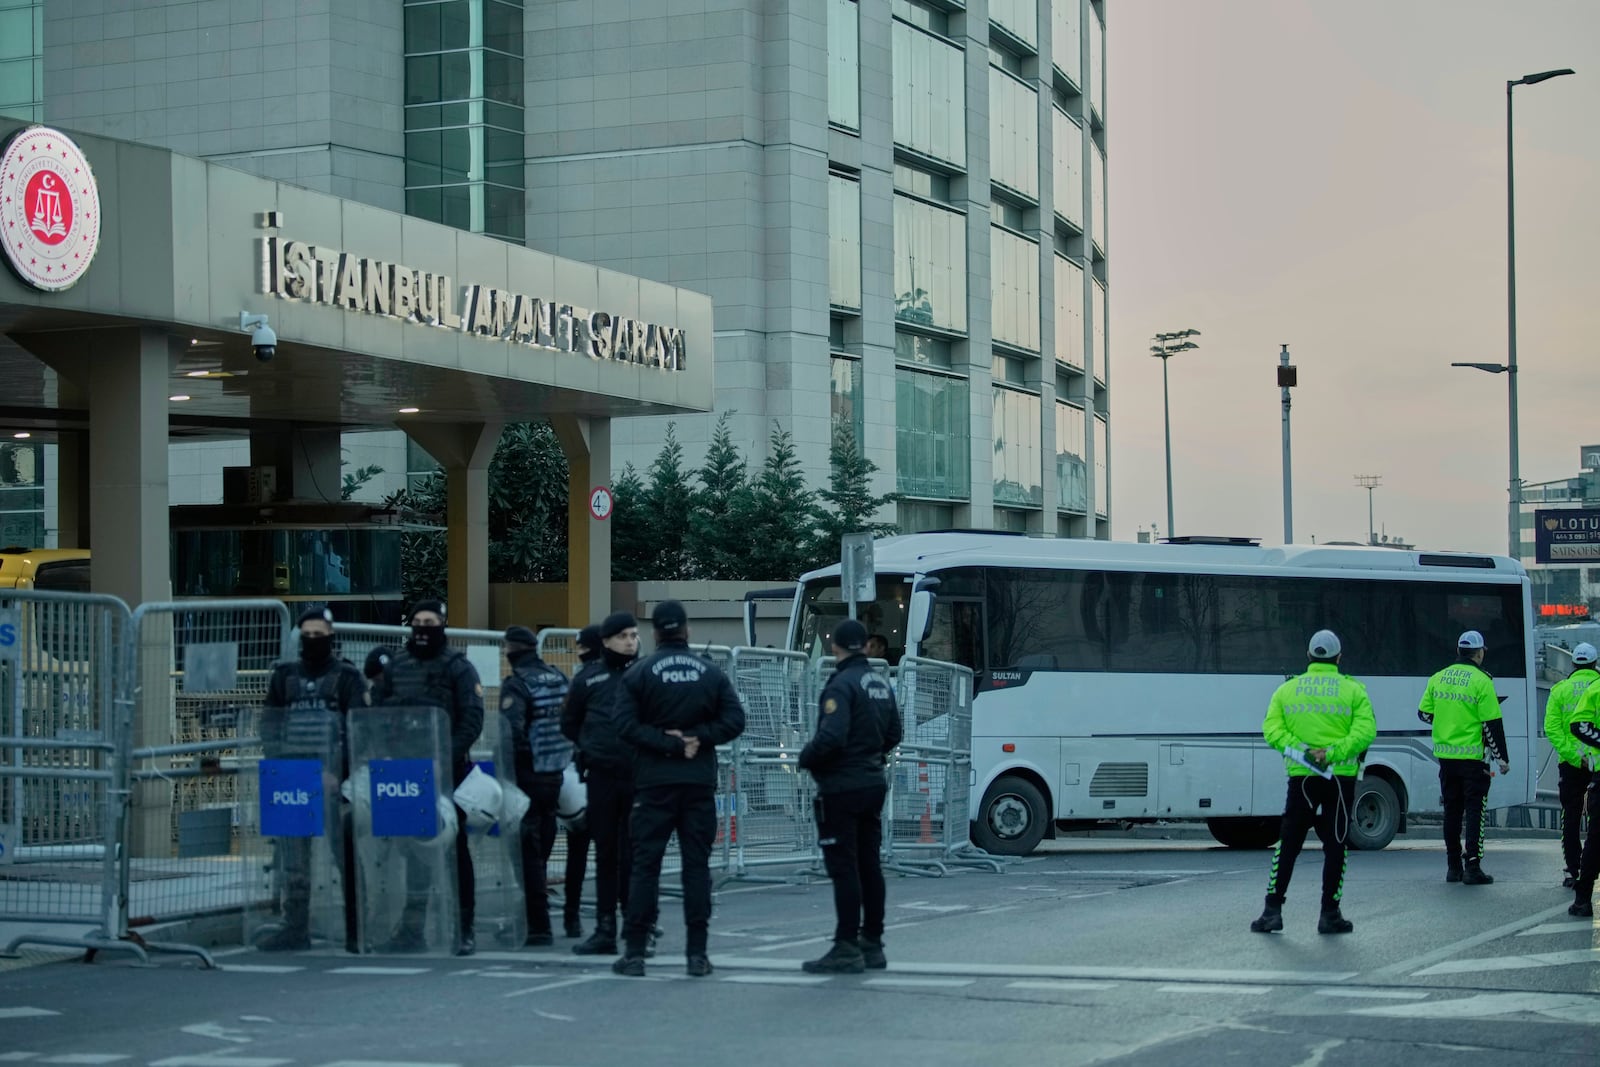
821,608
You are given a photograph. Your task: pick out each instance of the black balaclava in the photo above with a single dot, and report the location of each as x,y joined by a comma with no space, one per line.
427,641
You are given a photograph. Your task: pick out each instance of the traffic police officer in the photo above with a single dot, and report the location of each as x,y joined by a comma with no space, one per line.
1575,772
1461,706
674,709
1585,729
531,698
858,726
591,657
1321,721
590,719
305,714
428,672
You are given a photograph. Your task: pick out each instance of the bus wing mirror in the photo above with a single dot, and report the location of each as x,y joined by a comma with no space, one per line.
750,600
919,617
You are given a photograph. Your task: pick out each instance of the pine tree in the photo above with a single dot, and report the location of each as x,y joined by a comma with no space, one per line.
528,506
717,547
848,504
670,498
632,548
776,519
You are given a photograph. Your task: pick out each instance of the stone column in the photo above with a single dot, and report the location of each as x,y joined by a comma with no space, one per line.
587,444
465,450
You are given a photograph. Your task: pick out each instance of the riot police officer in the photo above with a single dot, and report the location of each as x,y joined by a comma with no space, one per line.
428,672
1461,706
858,725
304,715
673,709
377,659
1560,711
531,698
591,656
589,719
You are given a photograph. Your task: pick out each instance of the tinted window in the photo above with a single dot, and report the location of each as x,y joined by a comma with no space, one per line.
71,575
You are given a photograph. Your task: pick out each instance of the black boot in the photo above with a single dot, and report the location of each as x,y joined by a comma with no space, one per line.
872,953
1582,904
603,942
1332,922
1474,875
572,926
1271,920
845,957
1452,873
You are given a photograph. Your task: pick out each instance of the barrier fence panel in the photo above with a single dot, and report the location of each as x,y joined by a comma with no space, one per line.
196,674
61,767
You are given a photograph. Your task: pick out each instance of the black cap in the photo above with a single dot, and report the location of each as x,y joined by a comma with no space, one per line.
435,606
521,635
589,638
315,615
377,660
850,635
617,622
669,618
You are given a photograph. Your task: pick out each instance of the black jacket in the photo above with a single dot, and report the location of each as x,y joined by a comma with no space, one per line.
590,717
674,689
306,711
531,699
448,681
858,724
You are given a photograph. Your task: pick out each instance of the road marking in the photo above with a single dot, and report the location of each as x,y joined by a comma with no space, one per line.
1319,1052
777,979
87,1058
996,911
1203,987
1027,970
923,905
1585,927
260,968
1511,963
17,1057
1069,873
385,1063
25,1013
553,1015
1060,985
381,970
1566,1007
1427,959
580,980
921,983
217,1032
521,976
820,940
1372,994
219,1061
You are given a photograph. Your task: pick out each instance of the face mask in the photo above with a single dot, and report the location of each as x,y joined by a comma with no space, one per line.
426,640
316,648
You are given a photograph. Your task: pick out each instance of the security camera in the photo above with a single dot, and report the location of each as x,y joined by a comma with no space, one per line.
262,340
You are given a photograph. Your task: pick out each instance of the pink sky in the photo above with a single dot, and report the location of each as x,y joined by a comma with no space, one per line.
1332,175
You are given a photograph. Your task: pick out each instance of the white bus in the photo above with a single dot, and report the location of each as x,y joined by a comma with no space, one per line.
1127,682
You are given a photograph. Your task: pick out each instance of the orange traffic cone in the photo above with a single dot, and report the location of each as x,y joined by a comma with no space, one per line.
927,826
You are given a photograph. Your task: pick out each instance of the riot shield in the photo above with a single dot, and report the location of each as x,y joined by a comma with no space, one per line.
405,829
295,839
494,835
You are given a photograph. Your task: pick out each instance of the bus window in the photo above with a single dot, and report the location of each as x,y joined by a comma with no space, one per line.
821,609
957,633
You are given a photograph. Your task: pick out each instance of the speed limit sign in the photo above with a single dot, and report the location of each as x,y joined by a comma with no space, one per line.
600,503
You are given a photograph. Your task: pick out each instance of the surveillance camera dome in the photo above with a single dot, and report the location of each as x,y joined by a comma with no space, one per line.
265,343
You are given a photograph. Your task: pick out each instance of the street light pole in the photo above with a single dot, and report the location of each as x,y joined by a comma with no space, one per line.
1287,379
1166,346
1369,482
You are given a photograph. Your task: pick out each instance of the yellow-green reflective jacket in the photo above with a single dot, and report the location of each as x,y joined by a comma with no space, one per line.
1321,709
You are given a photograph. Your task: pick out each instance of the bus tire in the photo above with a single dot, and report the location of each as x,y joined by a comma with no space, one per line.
1245,832
1376,818
1012,818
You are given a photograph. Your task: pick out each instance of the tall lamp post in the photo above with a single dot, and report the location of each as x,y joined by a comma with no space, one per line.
1166,346
1514,525
1369,482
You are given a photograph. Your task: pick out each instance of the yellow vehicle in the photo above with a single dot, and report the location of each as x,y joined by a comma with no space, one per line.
60,569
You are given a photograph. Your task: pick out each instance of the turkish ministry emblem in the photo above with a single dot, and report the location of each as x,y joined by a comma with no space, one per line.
49,208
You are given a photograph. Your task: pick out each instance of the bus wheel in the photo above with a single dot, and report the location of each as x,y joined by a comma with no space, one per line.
1376,818
1245,832
1012,819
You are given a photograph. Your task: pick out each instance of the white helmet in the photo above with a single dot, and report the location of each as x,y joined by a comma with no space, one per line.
573,804
479,795
1584,655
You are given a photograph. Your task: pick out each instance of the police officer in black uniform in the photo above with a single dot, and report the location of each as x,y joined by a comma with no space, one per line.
589,719
305,715
591,656
858,725
377,660
531,698
674,709
428,672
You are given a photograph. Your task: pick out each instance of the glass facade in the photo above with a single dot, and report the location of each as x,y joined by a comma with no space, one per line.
1020,18
1014,288
930,95
1097,195
1067,137
1013,134
1066,43
930,265
22,64
1101,352
1097,64
1018,463
464,115
1069,313
1072,472
844,64
932,435
1102,485
22,495
844,396
357,562
844,241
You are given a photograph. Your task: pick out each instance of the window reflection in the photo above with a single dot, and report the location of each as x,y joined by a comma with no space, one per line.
1065,42
1097,196
1020,17
844,64
930,265
931,435
1099,330
1067,137
1013,134
930,88
1014,288
1102,485
844,241
1072,473
1069,312
357,561
1017,458
844,395
1097,63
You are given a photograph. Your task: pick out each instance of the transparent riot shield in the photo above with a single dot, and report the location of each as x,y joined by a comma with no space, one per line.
295,840
405,829
494,834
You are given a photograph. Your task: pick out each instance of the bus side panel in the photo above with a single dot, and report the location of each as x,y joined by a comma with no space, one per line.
1113,778
1206,779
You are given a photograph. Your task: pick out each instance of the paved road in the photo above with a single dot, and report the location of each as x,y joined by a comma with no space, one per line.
1099,952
